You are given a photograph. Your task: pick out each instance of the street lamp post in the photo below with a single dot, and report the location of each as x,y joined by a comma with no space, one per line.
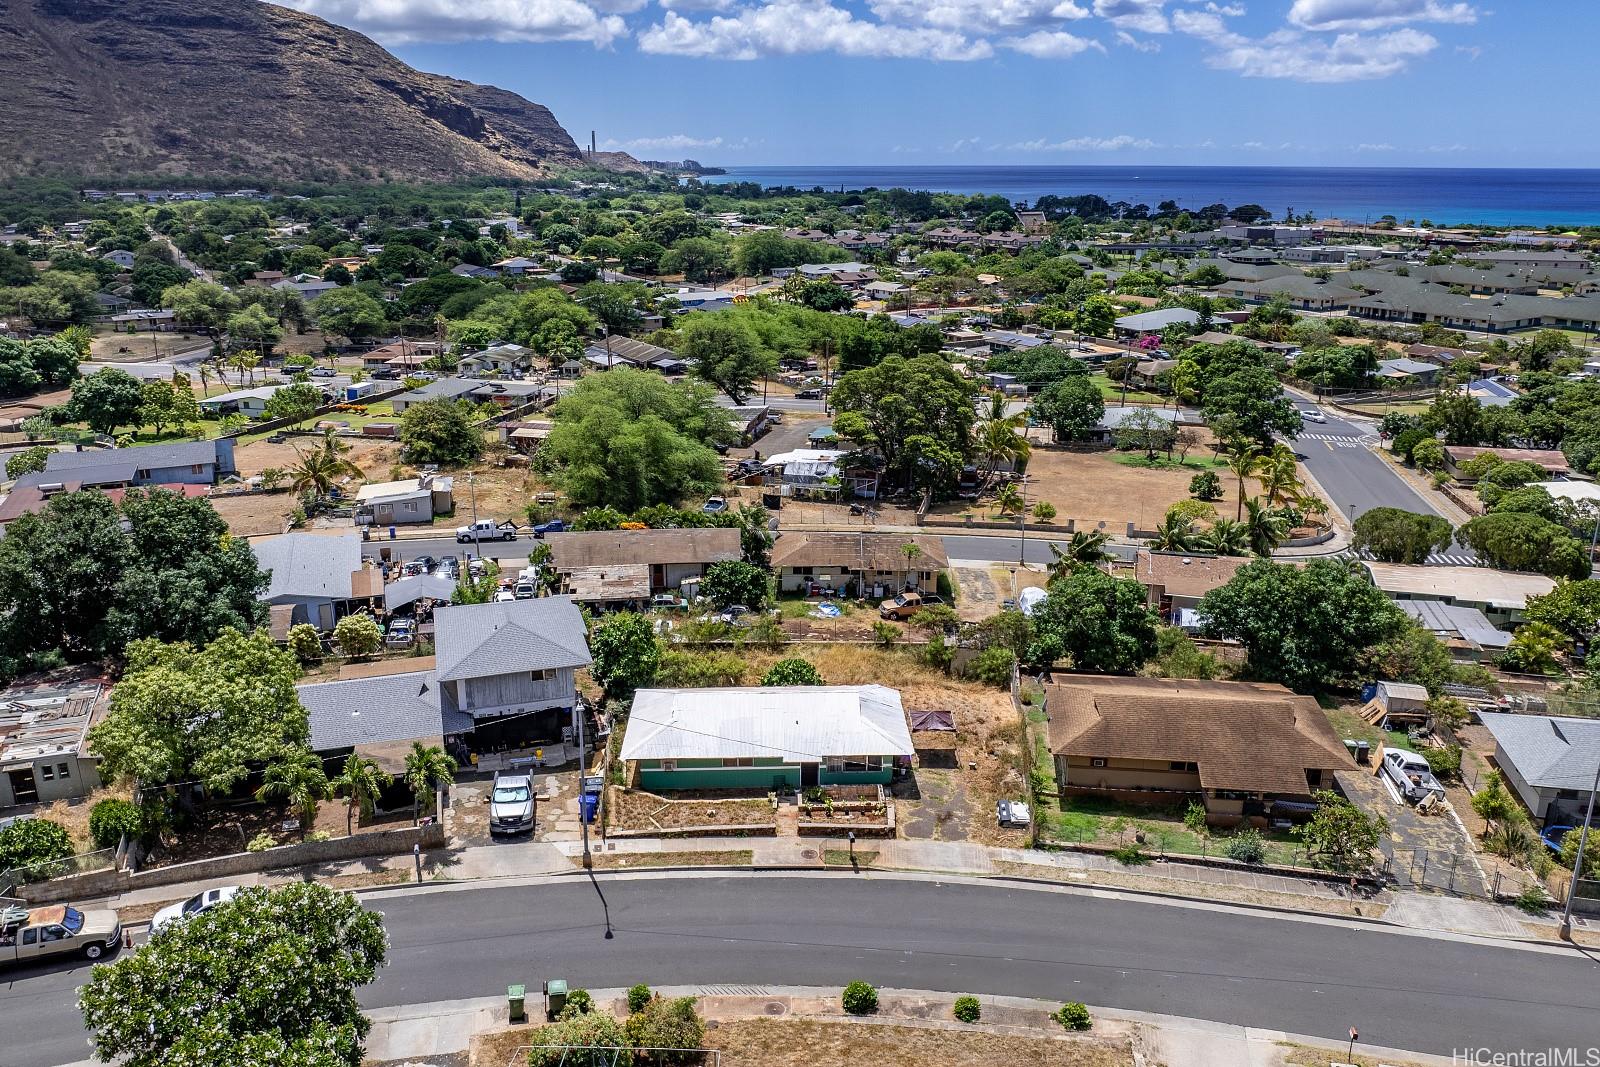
1577,863
477,535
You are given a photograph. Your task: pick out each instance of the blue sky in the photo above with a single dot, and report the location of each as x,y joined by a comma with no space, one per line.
1444,83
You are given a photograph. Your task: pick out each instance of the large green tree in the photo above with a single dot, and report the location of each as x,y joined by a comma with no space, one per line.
1571,607
181,713
1071,407
1101,623
887,408
629,439
735,582
349,312
1304,627
625,652
441,431
1395,535
107,399
725,352
1517,541
268,978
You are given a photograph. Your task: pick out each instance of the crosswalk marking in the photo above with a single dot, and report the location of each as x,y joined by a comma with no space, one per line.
1435,559
1336,440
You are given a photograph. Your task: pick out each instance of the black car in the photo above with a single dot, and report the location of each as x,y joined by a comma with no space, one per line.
809,394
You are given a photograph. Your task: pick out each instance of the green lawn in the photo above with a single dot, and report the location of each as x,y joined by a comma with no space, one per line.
1162,463
1112,392
1347,723
1092,820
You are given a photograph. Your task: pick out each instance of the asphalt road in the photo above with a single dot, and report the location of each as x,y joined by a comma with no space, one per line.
1424,994
1337,455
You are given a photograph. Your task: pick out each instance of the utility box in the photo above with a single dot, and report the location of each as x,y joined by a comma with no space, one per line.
555,997
516,1000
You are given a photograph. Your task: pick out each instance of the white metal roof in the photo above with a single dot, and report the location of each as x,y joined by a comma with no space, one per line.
800,724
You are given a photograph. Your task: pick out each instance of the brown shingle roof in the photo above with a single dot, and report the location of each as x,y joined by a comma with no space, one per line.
1550,459
610,548
1186,575
1243,735
877,552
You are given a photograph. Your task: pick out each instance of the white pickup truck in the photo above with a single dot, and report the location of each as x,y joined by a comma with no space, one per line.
486,530
57,931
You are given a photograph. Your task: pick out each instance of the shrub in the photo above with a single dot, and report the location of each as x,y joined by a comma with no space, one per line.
860,998
358,635
1194,819
992,666
261,842
579,1002
886,633
586,1029
111,820
1044,511
967,1009
937,653
638,997
1073,1016
305,643
1246,846
792,671
667,1024
1533,900
1445,763
1205,486
1130,855
319,835
32,842
1405,441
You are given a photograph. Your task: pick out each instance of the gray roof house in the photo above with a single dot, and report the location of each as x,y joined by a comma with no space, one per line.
178,462
1549,760
447,388
316,575
510,665
502,678
1155,321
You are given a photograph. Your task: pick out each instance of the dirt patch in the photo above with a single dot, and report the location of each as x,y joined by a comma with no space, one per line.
805,1042
149,347
634,809
374,457
255,514
617,861
1092,487
1309,1056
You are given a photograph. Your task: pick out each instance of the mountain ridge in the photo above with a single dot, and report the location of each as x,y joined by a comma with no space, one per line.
242,87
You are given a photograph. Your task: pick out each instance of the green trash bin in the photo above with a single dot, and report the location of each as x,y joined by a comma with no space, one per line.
516,998
555,997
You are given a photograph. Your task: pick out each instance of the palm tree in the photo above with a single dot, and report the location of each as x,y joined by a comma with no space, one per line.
318,469
296,778
998,439
1278,474
1226,538
1242,461
1265,528
1010,499
1086,548
362,781
1175,533
427,768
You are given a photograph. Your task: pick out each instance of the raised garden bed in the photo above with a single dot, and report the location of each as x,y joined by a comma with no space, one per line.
636,813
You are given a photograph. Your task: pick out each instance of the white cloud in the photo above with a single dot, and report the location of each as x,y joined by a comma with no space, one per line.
673,142
1128,40
1145,16
795,27
444,21
1375,14
990,14
1084,144
1051,44
1290,54
1471,51
696,5
1365,147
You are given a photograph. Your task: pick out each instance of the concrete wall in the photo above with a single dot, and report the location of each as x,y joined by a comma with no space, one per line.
109,882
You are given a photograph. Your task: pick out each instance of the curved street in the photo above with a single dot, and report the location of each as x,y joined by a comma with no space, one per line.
1257,969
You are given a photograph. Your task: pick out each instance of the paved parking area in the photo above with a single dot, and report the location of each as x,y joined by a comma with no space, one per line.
1424,851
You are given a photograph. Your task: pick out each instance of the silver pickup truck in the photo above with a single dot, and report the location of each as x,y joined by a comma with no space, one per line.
27,935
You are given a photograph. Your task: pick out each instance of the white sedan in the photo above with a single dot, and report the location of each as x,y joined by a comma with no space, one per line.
193,906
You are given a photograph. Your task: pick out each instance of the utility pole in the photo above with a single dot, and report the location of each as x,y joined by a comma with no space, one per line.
1577,863
583,765
477,535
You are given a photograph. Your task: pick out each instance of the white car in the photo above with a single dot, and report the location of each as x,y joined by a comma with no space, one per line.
1313,415
193,906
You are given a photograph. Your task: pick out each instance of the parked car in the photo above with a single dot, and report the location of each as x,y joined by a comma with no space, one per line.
667,602
907,604
1014,813
1410,774
402,633
57,931
322,372
524,591
185,909
808,394
1552,836
511,804
715,506
553,526
734,614
486,530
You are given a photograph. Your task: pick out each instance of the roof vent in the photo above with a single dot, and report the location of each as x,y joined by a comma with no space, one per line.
1187,560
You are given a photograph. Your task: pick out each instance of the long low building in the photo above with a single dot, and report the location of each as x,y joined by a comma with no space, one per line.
1502,596
775,738
666,558
873,564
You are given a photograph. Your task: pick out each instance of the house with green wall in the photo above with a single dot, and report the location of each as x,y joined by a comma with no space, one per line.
765,738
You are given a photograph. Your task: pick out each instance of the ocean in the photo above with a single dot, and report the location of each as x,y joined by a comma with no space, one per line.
1496,197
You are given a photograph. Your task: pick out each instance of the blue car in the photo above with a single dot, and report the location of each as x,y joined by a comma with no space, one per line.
1552,837
553,526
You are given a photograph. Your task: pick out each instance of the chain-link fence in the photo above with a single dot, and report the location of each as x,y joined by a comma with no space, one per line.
32,874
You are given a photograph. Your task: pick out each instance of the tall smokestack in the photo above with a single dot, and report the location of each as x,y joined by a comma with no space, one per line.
592,151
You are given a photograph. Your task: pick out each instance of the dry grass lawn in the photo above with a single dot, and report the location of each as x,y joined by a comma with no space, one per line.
255,514
1092,487
374,457
623,861
74,814
806,1042
638,810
